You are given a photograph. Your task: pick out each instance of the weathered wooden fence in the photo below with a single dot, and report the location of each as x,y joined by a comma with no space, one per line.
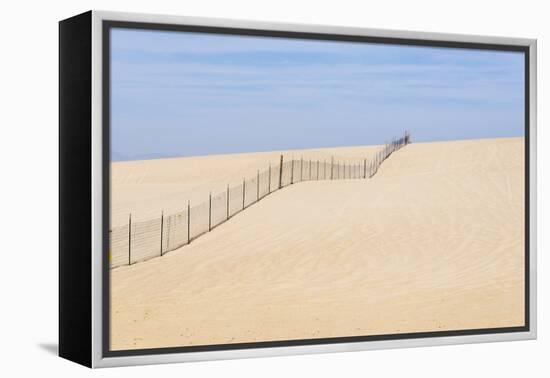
140,241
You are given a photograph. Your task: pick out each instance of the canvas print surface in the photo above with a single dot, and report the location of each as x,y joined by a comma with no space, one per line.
272,189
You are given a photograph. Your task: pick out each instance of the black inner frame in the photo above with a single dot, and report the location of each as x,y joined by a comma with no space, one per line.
106,82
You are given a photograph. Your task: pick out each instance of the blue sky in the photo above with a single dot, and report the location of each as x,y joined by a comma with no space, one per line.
187,94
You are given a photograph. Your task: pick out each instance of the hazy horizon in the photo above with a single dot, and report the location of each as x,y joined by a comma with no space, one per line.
178,94
153,157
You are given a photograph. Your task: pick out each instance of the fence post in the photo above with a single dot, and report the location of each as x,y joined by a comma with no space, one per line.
292,171
317,169
281,173
210,211
301,168
227,198
161,230
370,169
130,239
331,167
244,184
188,222
365,169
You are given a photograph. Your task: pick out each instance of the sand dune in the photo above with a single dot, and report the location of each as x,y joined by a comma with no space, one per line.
434,241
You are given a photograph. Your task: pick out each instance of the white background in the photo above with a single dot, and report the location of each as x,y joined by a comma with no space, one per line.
29,206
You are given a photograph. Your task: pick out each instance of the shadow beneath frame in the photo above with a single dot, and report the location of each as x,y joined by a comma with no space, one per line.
51,348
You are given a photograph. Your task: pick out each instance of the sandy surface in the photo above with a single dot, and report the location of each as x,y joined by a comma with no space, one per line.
434,241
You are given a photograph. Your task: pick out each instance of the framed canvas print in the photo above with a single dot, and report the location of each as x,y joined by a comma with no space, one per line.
238,189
